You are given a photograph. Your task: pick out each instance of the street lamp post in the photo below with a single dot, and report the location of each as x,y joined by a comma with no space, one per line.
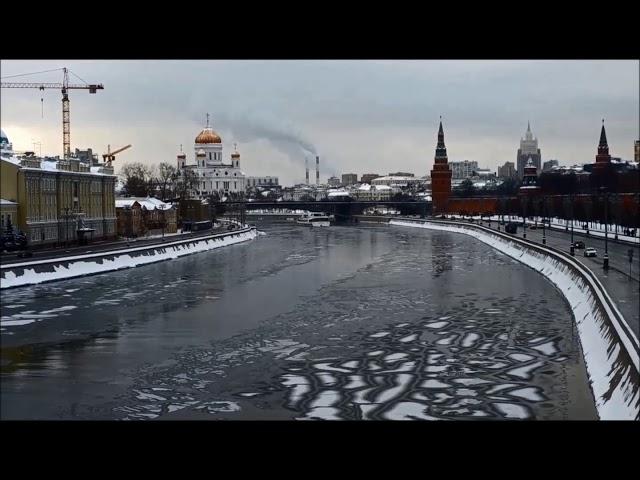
163,221
524,219
66,230
544,236
572,249
615,216
605,264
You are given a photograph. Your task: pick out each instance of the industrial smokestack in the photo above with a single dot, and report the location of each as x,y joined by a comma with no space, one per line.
317,170
306,167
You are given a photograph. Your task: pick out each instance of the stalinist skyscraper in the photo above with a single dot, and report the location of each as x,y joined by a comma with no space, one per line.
528,148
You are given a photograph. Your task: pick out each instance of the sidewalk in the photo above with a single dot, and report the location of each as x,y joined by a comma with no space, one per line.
558,224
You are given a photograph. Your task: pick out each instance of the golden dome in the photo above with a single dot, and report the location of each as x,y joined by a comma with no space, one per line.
208,136
235,154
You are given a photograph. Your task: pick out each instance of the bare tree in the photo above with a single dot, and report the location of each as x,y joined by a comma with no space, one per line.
136,179
187,181
166,176
153,187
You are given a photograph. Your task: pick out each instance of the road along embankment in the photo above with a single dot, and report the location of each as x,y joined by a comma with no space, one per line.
610,348
39,271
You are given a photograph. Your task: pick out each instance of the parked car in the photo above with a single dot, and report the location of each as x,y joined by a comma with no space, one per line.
533,227
511,227
578,244
590,252
12,241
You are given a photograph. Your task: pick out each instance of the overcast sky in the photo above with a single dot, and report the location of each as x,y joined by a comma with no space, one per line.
359,116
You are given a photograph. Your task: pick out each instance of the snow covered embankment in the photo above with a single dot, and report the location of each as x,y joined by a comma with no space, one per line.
29,273
610,349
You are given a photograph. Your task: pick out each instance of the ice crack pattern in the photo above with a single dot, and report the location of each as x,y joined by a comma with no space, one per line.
391,324
385,381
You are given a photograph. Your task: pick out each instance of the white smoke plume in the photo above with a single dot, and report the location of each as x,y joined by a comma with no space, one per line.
249,126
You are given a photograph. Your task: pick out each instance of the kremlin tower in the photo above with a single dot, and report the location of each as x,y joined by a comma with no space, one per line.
530,185
603,159
440,176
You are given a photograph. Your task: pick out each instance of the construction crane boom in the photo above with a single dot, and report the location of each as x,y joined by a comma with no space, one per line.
119,150
111,156
42,86
66,114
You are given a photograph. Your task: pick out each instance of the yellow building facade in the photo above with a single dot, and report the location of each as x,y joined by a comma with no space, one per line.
57,199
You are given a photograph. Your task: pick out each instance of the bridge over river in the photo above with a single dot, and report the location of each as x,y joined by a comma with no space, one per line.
346,322
342,210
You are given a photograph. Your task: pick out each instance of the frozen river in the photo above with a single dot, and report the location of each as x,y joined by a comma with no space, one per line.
341,323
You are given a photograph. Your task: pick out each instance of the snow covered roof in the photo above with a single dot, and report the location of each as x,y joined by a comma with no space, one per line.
7,202
338,193
50,164
12,159
149,203
396,178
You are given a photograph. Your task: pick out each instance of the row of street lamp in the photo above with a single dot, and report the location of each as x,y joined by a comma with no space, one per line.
572,246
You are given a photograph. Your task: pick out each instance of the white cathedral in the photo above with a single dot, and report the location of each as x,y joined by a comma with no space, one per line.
213,174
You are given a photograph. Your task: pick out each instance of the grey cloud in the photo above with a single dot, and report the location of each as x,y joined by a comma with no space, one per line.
356,114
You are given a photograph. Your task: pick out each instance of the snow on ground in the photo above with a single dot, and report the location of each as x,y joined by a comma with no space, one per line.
88,264
595,229
604,341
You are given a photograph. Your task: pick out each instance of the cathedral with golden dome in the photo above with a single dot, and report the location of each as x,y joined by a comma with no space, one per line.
212,172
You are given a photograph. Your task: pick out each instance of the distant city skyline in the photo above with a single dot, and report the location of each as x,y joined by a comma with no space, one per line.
358,116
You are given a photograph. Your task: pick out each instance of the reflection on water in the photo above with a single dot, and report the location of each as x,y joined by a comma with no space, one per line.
338,323
441,258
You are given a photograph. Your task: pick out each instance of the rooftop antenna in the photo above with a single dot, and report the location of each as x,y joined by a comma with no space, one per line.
39,145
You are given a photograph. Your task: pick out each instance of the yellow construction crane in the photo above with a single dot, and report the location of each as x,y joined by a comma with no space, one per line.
65,86
111,156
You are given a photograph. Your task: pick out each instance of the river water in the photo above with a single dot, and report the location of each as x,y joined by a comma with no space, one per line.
362,322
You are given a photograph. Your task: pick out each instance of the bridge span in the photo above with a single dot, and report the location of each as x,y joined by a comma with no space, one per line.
342,210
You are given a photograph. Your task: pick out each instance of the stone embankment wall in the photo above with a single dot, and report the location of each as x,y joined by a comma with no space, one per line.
39,271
